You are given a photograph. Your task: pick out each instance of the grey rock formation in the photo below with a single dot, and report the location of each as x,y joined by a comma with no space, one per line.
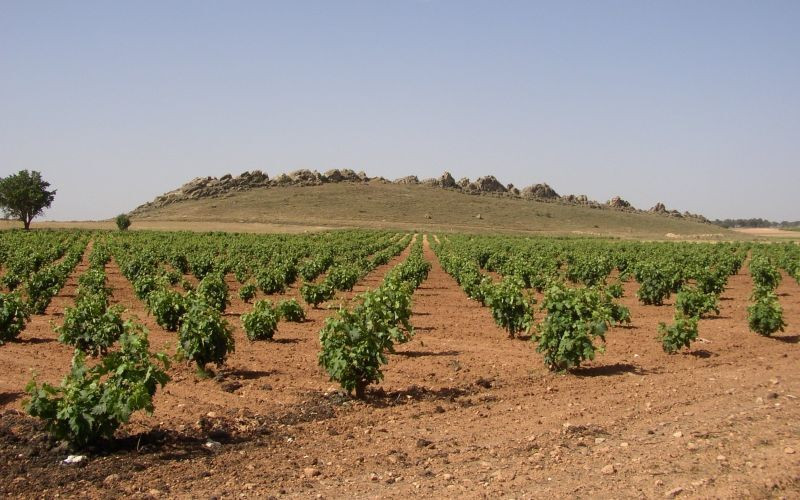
617,202
409,179
212,187
540,192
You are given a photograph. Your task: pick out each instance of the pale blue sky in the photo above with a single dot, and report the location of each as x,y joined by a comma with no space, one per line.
693,103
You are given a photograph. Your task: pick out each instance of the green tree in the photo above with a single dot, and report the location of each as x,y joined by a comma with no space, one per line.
123,222
24,196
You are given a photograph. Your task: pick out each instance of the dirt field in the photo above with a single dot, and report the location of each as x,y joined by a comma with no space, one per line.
768,232
463,412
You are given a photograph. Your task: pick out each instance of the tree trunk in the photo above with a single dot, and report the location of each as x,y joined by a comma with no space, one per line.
27,224
361,387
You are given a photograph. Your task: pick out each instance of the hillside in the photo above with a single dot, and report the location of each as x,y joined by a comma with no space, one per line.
377,203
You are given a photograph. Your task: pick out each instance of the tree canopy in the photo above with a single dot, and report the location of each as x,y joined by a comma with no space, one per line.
24,195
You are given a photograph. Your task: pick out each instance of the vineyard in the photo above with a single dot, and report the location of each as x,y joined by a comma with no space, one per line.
385,363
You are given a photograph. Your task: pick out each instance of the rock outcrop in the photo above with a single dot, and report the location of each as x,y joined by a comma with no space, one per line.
619,203
409,179
212,187
540,192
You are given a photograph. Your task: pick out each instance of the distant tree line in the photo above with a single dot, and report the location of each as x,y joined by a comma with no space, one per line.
754,223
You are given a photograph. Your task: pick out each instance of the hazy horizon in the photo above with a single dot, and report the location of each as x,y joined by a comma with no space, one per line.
693,104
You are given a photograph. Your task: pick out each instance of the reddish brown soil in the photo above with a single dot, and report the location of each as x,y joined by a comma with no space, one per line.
462,411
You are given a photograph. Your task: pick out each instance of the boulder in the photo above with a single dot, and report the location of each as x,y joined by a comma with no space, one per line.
334,175
617,202
659,208
409,179
489,184
540,192
306,178
447,181
463,182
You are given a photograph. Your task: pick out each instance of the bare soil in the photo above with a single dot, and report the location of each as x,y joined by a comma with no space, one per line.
462,411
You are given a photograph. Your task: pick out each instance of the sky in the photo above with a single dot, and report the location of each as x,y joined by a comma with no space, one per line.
695,104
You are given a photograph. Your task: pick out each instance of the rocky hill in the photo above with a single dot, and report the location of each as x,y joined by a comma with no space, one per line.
212,187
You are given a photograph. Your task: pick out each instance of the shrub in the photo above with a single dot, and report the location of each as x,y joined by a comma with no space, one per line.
590,271
91,326
712,281
248,291
615,290
291,310
575,317
179,262
123,222
168,306
204,336
387,311
679,334
144,284
261,322
41,287
343,276
315,294
654,284
351,352
201,265
692,302
765,315
13,316
91,403
270,280
92,282
511,309
214,291
100,256
355,343
766,276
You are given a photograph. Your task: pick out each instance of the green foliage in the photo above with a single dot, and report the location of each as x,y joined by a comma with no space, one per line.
615,290
765,315
92,402
11,280
24,195
168,306
91,326
355,343
214,291
766,276
655,284
387,312
712,281
352,351
41,287
13,316
92,282
511,308
247,292
201,265
123,222
99,257
271,280
693,302
315,294
679,334
291,310
575,317
144,284
343,276
261,322
590,270
204,336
